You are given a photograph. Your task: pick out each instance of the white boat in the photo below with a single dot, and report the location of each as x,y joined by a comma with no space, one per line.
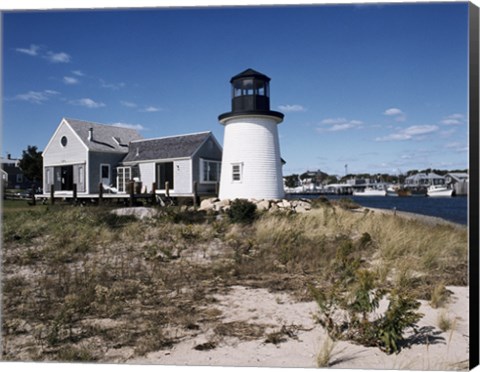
439,190
370,191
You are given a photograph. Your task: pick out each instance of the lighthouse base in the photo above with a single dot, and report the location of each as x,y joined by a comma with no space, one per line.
251,163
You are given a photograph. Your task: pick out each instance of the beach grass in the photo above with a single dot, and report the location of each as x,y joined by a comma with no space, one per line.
78,277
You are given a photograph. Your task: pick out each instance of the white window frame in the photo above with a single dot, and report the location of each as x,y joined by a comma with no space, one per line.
239,172
122,186
203,164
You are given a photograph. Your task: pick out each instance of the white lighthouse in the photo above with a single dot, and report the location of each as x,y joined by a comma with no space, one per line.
251,162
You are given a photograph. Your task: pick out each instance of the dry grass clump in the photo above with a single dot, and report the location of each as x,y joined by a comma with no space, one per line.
445,323
324,356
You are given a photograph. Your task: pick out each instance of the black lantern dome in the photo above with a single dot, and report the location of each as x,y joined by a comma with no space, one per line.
250,95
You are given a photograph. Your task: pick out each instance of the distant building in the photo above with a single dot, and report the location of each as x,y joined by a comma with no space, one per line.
424,180
458,181
12,174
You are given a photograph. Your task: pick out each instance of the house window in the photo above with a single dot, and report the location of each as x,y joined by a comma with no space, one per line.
19,178
64,141
105,171
124,174
237,170
210,171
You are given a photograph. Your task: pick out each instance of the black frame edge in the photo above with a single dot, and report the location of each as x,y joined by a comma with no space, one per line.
474,278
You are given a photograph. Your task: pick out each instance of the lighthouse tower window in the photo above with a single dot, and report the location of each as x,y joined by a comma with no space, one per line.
237,172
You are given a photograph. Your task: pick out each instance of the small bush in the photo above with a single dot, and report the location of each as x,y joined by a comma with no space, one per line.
242,211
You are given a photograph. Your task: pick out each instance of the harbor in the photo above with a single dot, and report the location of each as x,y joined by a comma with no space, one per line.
451,209
418,184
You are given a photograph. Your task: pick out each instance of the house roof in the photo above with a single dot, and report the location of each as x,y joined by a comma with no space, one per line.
183,146
430,176
458,176
104,137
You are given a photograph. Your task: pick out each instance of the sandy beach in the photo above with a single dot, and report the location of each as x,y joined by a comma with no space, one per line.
430,349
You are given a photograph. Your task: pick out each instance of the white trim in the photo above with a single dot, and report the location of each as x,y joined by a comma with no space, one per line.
201,171
65,164
159,160
242,116
190,187
124,180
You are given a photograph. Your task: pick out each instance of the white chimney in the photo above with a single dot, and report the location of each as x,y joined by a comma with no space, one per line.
90,134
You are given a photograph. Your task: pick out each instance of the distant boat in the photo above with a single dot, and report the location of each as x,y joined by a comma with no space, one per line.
439,191
398,191
369,191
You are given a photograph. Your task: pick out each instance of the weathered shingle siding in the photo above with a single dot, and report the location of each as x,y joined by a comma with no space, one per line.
97,158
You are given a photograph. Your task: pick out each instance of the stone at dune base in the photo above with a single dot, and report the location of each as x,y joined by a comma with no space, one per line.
138,212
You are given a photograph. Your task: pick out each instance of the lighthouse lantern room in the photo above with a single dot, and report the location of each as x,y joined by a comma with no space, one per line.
251,162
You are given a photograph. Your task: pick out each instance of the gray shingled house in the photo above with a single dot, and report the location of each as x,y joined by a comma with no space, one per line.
87,154
178,160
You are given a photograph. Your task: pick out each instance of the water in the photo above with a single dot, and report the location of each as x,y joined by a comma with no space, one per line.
452,209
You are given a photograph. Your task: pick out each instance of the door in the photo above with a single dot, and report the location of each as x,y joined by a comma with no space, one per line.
164,174
67,177
105,174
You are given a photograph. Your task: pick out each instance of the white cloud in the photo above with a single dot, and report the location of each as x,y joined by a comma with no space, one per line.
292,108
338,124
87,102
454,119
61,57
416,130
151,109
128,104
31,51
129,126
114,86
396,113
69,80
78,73
35,97
393,111
413,132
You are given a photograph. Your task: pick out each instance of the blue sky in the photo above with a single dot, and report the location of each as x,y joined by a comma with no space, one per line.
382,88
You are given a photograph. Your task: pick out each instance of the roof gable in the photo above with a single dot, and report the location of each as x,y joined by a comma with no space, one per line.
104,137
183,146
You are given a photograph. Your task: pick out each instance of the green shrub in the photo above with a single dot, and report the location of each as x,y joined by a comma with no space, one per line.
357,292
242,211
